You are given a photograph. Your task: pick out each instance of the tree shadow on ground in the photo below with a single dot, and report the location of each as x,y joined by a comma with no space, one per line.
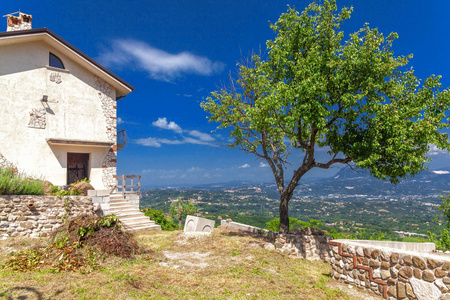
24,292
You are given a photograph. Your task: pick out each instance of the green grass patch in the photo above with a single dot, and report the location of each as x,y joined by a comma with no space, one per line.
183,268
15,183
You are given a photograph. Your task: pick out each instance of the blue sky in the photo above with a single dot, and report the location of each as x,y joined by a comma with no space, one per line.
176,52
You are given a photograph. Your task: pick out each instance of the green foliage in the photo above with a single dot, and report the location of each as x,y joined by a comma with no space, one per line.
71,191
63,194
445,208
181,209
104,221
316,90
274,224
443,243
15,183
160,219
363,234
77,245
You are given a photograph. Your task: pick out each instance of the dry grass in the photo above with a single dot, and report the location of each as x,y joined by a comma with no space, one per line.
225,265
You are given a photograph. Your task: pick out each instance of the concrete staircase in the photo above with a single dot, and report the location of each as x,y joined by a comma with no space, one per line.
129,215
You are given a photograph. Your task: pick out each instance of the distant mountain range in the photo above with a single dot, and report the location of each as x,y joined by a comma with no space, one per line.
348,183
351,185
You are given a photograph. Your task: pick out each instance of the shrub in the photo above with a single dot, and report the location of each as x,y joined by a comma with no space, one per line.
443,243
160,219
274,224
15,183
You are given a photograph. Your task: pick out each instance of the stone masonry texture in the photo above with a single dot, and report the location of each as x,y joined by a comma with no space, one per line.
391,273
17,218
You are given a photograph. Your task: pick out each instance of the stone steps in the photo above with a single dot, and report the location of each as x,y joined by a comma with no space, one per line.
130,216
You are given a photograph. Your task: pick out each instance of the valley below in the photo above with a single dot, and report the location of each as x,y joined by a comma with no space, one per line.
350,204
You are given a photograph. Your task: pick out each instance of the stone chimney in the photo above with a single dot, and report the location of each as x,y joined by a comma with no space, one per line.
20,22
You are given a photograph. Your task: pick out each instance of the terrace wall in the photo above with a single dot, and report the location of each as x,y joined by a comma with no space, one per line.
36,216
392,273
393,270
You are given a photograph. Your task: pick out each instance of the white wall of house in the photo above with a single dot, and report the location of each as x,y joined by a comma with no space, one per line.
80,107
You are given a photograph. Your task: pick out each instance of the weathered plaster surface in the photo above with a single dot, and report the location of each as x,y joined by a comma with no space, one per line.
74,111
4,163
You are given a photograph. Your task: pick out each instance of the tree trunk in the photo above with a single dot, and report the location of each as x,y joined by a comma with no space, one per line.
179,214
284,213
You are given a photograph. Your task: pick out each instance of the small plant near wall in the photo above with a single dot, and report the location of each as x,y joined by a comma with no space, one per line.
64,194
13,182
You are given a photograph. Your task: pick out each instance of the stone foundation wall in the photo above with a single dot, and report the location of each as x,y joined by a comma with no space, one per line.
391,273
304,245
101,201
36,216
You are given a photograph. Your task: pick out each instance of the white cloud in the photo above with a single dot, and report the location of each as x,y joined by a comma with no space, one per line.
434,150
157,142
159,64
162,174
162,123
185,95
263,165
188,140
193,169
120,121
440,172
201,136
150,142
244,166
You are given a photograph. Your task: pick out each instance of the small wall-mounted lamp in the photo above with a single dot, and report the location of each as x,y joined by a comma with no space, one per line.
44,98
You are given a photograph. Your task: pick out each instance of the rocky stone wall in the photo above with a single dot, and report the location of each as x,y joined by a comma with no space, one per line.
109,177
36,216
391,273
310,245
37,118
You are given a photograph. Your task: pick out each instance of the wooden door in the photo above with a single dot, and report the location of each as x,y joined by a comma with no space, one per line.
77,167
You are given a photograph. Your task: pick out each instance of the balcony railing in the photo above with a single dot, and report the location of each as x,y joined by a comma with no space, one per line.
127,185
122,139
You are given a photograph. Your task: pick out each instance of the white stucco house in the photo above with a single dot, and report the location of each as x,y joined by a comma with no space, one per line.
57,108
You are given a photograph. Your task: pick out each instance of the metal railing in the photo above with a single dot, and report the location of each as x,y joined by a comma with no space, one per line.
122,139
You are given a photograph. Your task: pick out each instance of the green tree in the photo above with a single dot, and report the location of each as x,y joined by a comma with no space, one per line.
181,209
443,243
160,219
314,90
445,208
